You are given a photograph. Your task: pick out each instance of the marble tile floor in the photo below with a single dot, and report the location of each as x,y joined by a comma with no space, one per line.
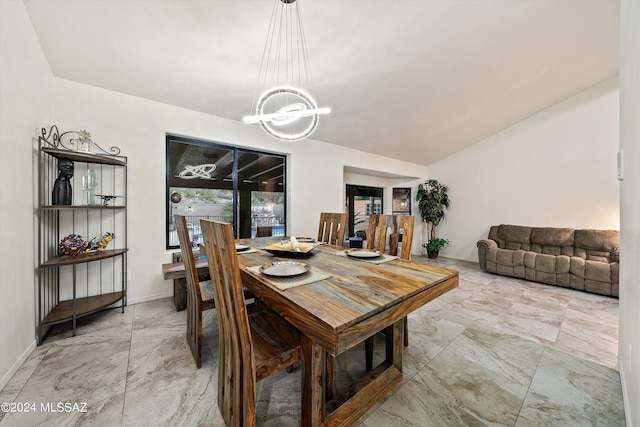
496,351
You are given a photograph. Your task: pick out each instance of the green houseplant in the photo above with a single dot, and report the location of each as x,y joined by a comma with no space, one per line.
432,200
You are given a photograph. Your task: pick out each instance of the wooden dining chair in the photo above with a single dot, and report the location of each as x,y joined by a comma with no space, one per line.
401,225
377,235
251,347
199,294
331,229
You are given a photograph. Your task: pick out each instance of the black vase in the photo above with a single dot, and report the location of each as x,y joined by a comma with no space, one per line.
432,254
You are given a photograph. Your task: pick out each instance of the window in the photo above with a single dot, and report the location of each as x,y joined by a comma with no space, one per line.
213,181
361,202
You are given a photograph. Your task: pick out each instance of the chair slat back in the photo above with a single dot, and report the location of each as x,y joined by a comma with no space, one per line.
401,225
379,226
331,229
236,388
377,235
194,298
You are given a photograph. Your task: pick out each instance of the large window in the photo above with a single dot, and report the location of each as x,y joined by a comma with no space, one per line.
361,203
209,180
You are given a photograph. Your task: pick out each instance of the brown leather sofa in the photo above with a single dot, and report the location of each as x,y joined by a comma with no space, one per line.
587,260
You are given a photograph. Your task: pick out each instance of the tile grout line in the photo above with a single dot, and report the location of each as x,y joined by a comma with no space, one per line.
524,399
126,377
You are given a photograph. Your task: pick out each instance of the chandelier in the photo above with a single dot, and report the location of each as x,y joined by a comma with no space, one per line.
285,109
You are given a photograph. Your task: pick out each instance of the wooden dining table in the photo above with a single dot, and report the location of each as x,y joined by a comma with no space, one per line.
358,299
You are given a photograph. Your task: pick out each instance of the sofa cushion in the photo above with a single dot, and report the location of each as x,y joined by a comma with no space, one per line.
514,237
597,245
598,271
552,264
509,257
577,267
552,241
596,287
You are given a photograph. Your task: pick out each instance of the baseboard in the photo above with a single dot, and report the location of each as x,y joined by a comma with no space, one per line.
18,363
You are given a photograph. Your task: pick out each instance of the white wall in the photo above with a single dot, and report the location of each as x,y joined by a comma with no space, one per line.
25,103
138,126
629,337
556,169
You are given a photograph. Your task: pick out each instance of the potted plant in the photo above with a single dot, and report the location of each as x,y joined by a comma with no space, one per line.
432,200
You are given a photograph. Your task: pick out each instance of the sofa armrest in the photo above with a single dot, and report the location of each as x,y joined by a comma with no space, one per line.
483,247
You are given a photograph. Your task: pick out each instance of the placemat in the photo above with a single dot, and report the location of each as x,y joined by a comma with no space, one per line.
284,283
248,251
383,258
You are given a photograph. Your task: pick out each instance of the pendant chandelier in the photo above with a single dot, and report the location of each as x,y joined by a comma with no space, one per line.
285,109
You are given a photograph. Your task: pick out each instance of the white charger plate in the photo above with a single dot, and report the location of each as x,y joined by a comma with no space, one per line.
284,268
363,253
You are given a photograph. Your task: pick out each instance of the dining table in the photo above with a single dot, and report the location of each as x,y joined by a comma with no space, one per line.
341,298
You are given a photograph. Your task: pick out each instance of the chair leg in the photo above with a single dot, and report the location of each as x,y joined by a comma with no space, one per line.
329,369
368,353
406,332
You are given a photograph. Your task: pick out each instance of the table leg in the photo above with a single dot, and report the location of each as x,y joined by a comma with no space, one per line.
313,382
346,408
180,294
395,339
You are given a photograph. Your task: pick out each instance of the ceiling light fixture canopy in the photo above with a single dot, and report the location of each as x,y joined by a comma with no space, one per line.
285,109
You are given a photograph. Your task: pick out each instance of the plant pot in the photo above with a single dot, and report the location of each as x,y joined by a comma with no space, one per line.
432,254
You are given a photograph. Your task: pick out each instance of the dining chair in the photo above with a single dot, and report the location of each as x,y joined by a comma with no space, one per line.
199,294
401,233
250,347
401,225
331,229
377,235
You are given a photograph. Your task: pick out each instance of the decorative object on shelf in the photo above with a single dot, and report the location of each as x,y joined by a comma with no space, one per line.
176,197
73,244
285,110
84,141
79,141
62,193
99,243
89,184
106,198
432,200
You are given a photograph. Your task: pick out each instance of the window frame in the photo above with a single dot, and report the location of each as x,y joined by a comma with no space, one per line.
351,191
237,151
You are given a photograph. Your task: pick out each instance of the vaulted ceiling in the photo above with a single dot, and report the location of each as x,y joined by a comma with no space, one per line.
416,80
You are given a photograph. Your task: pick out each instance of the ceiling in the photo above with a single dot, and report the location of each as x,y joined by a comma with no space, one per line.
416,80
